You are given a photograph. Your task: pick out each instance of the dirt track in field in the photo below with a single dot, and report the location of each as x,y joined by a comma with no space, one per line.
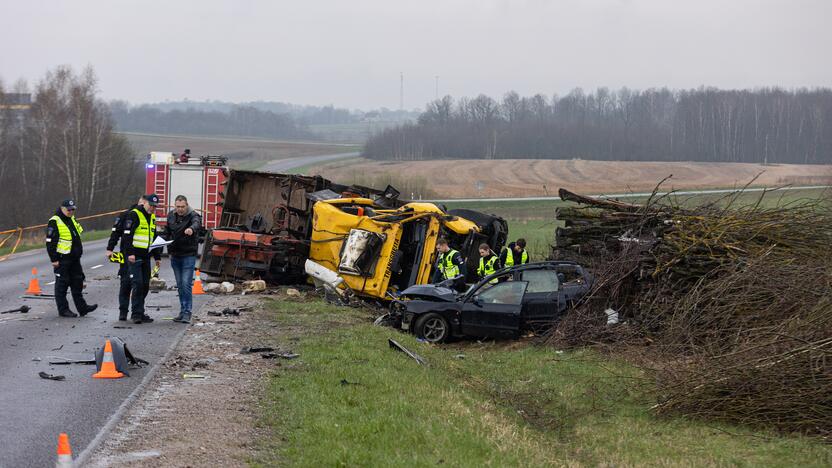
536,177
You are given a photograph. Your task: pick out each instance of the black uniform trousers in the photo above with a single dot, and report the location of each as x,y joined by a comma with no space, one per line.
139,284
124,289
69,275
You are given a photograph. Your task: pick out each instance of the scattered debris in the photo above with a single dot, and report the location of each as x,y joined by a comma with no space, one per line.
193,376
46,376
395,345
37,359
58,348
213,313
211,287
226,287
228,311
22,309
459,356
292,292
253,286
157,284
345,382
224,322
203,363
66,361
249,350
123,327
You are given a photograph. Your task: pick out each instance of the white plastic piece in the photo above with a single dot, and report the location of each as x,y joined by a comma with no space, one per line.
612,316
322,273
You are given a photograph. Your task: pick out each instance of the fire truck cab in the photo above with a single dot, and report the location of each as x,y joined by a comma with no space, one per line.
198,178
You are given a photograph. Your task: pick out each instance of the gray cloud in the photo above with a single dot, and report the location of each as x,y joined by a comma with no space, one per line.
350,53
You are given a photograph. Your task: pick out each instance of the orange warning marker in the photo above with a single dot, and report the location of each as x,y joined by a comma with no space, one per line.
197,289
108,367
34,286
64,452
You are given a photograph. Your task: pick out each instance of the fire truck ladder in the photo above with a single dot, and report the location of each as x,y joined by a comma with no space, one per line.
160,188
212,181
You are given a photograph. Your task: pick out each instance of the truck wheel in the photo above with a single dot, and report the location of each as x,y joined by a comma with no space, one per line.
433,328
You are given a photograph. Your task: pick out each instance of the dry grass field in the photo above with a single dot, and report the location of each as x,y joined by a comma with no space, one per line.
245,153
537,177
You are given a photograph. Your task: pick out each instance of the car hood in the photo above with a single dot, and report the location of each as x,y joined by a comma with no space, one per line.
429,292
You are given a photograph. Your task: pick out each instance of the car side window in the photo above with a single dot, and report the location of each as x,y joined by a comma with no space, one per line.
510,292
541,281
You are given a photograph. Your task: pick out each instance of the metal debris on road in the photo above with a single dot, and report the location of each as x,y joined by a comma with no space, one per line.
46,376
22,309
249,350
193,376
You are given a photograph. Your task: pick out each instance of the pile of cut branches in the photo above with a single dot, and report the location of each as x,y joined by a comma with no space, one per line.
734,300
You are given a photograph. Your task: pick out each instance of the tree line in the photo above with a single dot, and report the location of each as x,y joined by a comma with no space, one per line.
238,120
768,125
61,146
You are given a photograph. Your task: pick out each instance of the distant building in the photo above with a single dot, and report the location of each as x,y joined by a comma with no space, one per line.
372,116
16,104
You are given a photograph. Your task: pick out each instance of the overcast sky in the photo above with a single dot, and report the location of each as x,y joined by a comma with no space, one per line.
350,53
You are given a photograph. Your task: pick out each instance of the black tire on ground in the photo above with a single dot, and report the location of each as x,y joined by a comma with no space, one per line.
433,328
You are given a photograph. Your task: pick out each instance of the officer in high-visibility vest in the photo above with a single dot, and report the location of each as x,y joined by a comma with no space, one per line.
139,232
449,264
63,244
489,262
514,254
123,273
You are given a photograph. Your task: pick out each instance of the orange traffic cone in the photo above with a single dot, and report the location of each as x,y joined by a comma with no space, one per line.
34,286
197,289
108,366
64,452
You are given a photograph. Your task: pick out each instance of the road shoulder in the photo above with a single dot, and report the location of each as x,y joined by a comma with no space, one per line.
208,418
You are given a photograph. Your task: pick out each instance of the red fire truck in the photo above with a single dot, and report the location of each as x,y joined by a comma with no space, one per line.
199,178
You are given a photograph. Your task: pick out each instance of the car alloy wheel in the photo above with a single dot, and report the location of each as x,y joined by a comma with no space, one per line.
434,328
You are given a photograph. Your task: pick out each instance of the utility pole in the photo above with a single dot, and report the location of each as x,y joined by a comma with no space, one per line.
437,88
401,90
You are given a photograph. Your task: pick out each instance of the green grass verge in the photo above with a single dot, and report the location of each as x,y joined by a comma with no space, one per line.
492,404
37,243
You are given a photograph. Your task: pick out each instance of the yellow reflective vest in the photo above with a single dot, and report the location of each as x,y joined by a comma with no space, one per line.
487,267
447,266
524,258
145,231
64,234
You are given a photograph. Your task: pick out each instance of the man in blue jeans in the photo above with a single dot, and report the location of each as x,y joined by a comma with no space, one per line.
182,229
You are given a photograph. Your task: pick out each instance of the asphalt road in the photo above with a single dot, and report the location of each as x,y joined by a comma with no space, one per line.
283,165
33,411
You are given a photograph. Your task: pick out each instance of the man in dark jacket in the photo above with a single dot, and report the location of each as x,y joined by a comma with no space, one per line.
182,228
138,234
63,244
123,273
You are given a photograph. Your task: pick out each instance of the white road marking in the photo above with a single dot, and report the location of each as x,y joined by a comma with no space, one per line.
97,266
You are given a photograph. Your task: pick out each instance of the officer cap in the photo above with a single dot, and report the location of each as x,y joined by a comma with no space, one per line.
68,203
152,198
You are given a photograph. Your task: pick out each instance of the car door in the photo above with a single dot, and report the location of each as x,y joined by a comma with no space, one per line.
494,310
542,298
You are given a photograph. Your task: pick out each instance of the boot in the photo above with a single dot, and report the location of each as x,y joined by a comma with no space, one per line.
67,313
87,310
143,319
122,315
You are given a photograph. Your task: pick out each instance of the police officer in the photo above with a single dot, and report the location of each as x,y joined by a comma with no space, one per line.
514,254
139,232
489,262
123,273
63,244
450,264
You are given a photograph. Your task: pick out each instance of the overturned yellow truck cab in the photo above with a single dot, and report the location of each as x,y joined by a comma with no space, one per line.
378,251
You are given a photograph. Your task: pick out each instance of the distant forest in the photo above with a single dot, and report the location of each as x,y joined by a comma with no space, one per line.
256,119
239,120
761,126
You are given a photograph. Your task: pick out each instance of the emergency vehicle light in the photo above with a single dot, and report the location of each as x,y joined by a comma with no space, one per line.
150,166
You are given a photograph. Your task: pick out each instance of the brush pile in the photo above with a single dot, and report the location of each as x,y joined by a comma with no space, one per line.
734,302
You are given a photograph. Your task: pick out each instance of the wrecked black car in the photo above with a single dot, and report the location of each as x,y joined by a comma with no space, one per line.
503,305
